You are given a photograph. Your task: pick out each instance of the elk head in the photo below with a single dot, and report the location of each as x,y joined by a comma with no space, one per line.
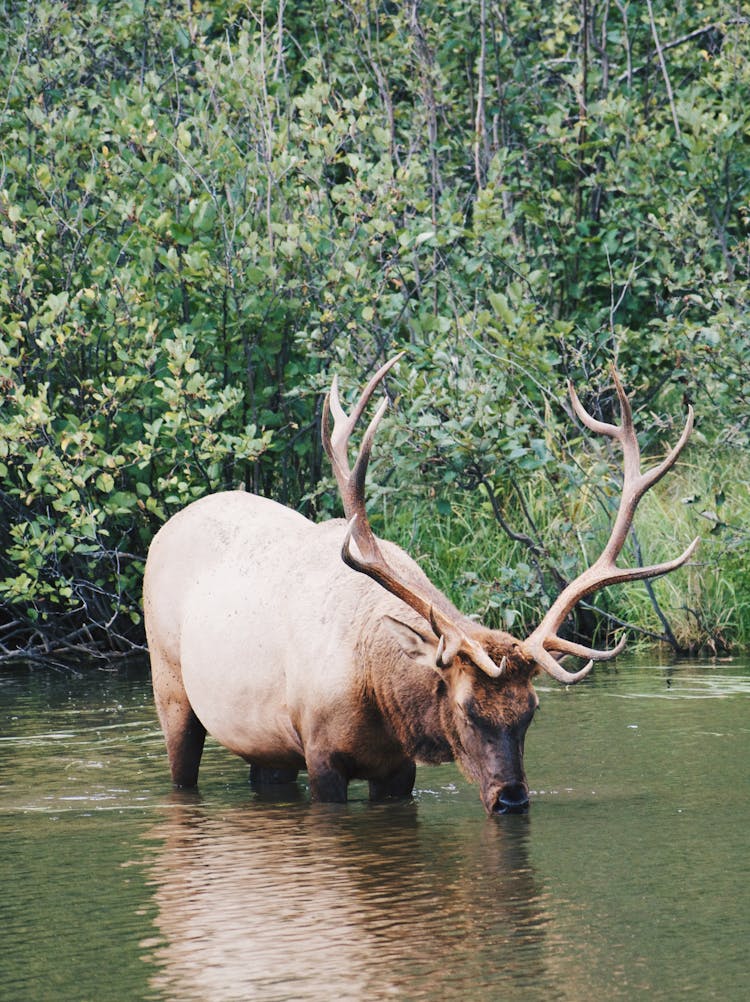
489,699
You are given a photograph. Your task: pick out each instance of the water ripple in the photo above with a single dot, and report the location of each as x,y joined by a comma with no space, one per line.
268,906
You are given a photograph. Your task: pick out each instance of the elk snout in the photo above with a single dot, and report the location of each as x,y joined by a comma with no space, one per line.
512,799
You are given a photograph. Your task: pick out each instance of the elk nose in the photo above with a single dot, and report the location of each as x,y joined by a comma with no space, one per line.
512,799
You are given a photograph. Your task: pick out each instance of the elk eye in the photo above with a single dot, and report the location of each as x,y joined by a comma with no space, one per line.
471,712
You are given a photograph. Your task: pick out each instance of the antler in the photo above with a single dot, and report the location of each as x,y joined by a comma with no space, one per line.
603,571
351,483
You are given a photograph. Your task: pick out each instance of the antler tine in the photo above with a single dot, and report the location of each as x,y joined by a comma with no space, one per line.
359,472
652,476
336,441
603,571
548,664
567,647
351,482
331,405
625,433
600,427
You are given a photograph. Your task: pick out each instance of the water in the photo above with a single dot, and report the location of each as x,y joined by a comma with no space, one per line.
628,879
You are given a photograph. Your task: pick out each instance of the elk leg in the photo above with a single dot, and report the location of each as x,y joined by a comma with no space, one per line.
328,779
183,732
185,748
399,784
266,775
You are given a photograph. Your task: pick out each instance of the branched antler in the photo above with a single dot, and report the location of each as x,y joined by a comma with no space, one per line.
604,571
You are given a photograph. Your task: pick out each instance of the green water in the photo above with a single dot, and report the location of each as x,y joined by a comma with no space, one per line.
628,879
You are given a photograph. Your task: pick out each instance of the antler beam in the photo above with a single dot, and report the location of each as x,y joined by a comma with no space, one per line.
371,560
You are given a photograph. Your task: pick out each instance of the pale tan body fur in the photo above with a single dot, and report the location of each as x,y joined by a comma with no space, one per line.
256,625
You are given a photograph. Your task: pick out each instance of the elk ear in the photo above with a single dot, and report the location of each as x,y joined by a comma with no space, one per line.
420,647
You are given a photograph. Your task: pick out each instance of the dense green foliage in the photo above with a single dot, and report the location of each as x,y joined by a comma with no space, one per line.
206,208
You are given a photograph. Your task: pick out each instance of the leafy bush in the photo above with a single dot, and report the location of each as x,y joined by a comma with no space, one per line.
205,208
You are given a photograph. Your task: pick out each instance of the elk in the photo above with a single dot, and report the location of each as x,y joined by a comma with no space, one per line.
321,647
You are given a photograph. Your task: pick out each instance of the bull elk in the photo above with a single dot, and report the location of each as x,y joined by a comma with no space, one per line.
294,658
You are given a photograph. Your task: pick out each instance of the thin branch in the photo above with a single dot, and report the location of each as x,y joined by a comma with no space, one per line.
479,121
664,46
668,632
616,621
628,74
664,70
538,553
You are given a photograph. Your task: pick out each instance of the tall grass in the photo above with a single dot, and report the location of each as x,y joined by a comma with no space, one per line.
704,605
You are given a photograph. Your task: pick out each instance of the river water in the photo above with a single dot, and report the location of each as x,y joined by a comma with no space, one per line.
628,879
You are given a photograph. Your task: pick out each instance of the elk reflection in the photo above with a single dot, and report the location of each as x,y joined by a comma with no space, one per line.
274,901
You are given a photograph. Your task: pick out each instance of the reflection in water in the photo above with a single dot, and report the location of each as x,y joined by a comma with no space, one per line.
271,902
